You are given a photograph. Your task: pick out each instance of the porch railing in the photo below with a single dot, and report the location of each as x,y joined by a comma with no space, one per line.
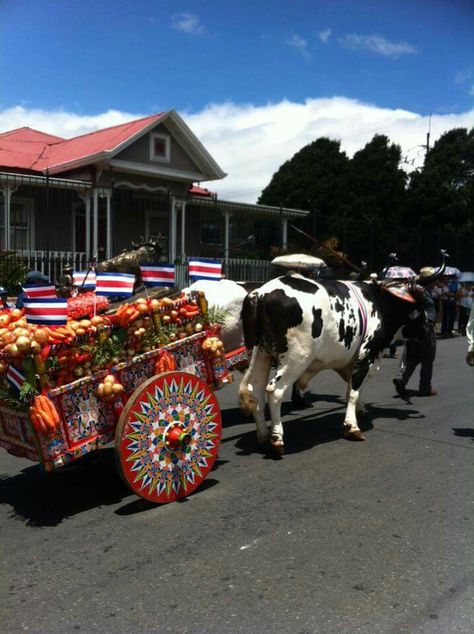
237,269
51,263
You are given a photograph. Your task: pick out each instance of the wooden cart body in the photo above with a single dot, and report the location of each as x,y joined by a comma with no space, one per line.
87,423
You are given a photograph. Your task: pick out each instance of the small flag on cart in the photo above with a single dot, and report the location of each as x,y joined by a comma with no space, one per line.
115,284
15,377
33,291
200,269
162,274
46,312
84,279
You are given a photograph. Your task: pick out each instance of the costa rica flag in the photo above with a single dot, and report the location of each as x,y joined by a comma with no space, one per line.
84,279
33,291
46,312
115,284
201,269
162,274
15,377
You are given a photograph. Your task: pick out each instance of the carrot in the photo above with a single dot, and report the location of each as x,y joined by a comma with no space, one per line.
49,406
38,424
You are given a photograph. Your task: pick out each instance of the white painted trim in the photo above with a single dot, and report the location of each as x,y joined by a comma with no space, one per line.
143,186
167,139
155,170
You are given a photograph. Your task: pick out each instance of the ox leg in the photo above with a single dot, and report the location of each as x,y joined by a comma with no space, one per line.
285,377
351,428
299,386
252,391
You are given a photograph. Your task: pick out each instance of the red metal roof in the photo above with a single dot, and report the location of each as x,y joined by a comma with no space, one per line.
29,149
195,190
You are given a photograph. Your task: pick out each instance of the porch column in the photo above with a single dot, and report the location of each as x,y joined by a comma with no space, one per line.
227,216
7,191
183,230
87,228
95,224
173,223
108,234
284,233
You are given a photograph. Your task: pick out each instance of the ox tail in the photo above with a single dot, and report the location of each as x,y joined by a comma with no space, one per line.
250,320
247,400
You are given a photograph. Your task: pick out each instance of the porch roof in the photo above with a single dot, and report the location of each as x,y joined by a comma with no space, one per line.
12,178
230,206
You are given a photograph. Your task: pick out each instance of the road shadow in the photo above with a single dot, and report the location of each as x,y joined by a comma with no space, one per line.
235,416
316,428
464,431
140,505
46,499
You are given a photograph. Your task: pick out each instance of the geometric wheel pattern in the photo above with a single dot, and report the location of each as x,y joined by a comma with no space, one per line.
168,436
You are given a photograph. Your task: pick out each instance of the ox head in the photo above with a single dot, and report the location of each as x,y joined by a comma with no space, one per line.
408,303
412,290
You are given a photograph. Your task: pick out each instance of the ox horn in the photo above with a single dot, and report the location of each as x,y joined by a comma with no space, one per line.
424,281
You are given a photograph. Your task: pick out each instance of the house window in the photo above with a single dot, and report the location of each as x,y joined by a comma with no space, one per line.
21,224
160,148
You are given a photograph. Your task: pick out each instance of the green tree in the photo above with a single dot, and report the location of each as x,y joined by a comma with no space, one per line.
376,182
314,178
441,195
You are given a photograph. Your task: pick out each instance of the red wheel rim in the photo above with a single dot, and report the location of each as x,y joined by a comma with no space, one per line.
168,436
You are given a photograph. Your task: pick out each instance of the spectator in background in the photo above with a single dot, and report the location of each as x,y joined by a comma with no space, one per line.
465,303
470,338
448,303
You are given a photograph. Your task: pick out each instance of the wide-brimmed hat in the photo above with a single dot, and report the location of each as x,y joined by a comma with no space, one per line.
426,271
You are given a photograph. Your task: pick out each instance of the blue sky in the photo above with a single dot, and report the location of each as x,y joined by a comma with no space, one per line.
68,65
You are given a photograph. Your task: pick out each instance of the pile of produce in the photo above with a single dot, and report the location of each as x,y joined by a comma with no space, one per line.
54,356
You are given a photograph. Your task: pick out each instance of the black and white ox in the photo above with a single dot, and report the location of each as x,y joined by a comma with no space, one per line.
306,326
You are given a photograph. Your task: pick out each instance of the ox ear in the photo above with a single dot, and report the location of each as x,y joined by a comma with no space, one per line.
401,291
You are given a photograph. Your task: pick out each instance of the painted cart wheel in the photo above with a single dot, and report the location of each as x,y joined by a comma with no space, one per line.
168,436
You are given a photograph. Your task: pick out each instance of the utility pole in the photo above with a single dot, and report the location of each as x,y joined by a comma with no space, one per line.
428,134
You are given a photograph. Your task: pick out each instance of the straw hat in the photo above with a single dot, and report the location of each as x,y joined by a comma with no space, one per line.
426,271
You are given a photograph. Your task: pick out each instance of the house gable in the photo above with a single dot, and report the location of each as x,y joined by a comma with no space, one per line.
141,152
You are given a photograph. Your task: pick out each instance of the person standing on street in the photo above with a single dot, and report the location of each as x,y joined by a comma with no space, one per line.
470,338
420,348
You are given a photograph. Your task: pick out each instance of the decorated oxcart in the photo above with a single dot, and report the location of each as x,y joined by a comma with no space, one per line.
142,376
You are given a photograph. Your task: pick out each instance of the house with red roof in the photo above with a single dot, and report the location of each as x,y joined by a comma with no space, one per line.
93,194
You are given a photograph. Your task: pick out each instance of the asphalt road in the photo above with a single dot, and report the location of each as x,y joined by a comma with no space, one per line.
335,537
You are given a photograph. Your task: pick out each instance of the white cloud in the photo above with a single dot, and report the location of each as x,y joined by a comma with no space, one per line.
300,44
251,142
325,35
377,44
188,22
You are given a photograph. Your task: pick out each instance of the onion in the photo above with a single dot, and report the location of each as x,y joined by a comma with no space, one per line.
23,344
41,336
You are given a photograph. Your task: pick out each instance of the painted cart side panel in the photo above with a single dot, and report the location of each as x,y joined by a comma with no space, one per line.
86,422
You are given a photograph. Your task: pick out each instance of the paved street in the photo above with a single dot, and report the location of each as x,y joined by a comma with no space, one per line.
335,537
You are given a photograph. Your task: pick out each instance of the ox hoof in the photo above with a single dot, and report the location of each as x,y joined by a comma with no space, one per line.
354,434
277,446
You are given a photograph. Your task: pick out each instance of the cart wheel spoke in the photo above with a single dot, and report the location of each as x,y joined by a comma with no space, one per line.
168,436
